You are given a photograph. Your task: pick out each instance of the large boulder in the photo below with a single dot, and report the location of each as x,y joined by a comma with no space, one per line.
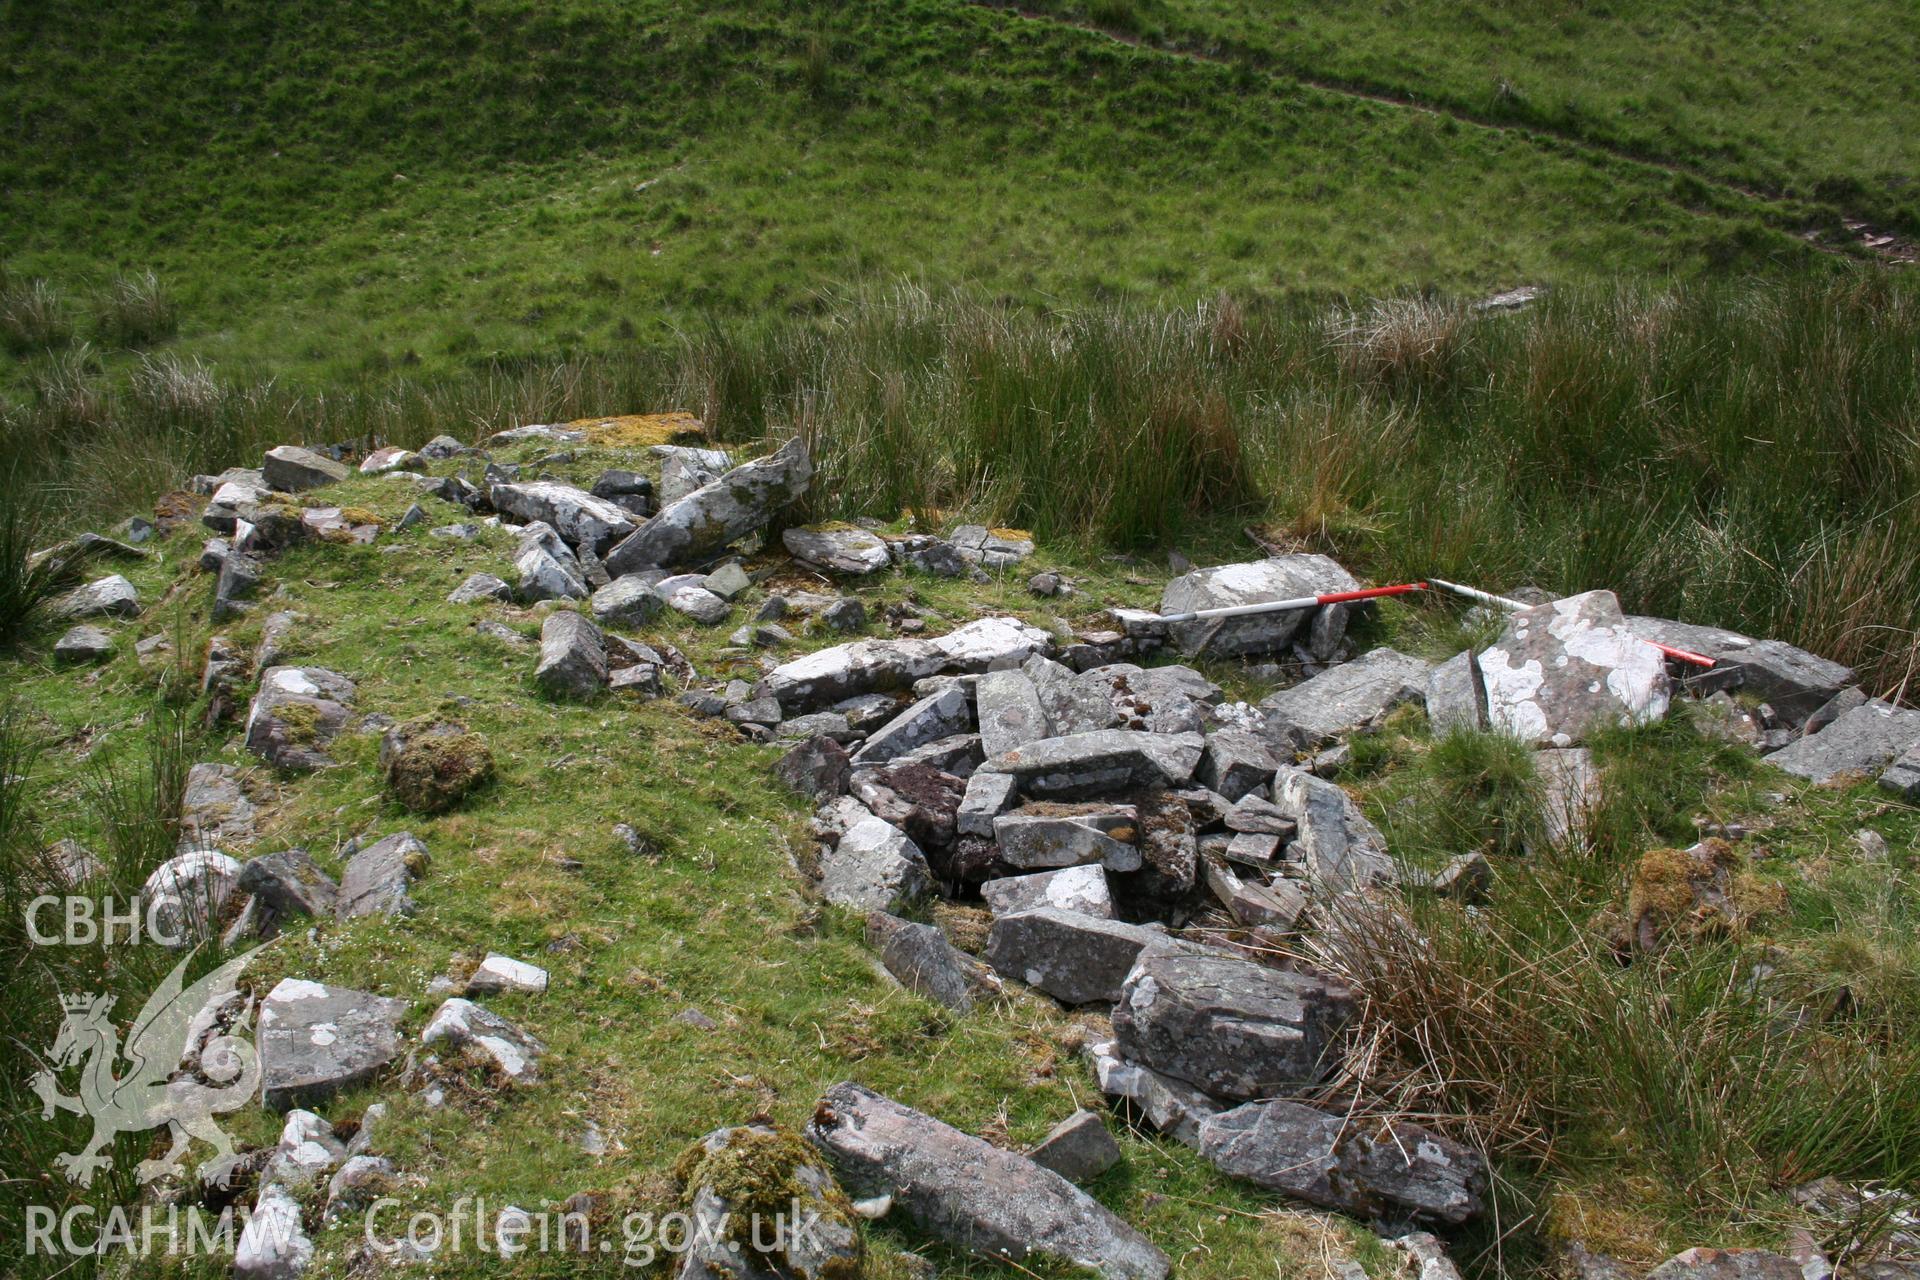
1098,763
1560,670
827,676
1074,958
315,1040
1343,699
697,527
1864,740
296,714
291,469
1256,582
1792,681
1341,848
573,656
576,515
984,1201
1372,1169
1228,1026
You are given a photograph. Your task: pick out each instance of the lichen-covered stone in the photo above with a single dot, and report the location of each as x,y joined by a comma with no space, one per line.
697,526
1561,670
296,714
1255,582
978,1198
1372,1169
1229,1026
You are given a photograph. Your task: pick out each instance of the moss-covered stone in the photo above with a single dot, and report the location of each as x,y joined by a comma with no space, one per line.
763,1172
432,766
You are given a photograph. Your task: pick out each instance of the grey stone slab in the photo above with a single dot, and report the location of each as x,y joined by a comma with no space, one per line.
1864,740
1560,670
315,1040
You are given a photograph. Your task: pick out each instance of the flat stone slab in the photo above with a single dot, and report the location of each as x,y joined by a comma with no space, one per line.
988,796
1344,699
875,867
1455,698
1341,848
1174,1107
298,711
922,960
1368,1168
1034,841
1009,711
315,1040
1253,582
1074,958
1792,681
987,644
850,551
844,671
84,644
1569,792
976,1197
1081,890
215,812
376,879
1732,1264
1100,763
505,1047
1154,699
503,975
110,597
1235,763
697,527
289,884
928,720
1864,740
477,588
1228,1026
576,515
291,469
1560,670
1253,904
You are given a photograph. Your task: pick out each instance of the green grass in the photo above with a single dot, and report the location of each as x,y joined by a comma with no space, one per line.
1805,99
1730,454
327,198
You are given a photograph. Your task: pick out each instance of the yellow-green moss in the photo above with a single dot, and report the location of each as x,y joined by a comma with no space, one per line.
438,768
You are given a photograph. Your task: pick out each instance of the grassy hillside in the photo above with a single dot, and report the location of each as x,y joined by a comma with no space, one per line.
329,194
1808,99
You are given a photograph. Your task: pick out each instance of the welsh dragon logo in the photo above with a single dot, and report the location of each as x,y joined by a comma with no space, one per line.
144,1097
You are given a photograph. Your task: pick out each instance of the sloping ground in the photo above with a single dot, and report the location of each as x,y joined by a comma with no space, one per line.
1801,100
703,909
332,193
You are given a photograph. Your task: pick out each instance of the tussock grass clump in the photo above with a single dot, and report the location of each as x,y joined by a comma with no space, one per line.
33,317
26,585
135,311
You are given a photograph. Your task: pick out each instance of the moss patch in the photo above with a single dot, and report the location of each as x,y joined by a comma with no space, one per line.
634,430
